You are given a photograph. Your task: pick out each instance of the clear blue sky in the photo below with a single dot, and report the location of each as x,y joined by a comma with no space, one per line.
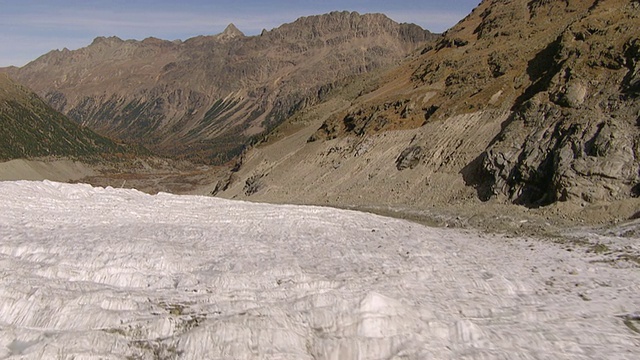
30,28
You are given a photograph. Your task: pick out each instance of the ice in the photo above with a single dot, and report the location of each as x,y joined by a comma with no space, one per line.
93,273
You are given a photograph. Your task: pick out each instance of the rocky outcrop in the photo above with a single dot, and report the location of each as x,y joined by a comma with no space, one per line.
409,158
561,159
575,134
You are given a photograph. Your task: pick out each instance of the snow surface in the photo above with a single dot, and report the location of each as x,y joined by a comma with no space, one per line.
90,273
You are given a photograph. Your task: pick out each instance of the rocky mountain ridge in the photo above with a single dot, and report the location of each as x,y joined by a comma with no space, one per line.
526,102
204,97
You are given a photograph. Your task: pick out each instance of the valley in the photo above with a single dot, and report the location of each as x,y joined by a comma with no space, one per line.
203,98
475,125
339,187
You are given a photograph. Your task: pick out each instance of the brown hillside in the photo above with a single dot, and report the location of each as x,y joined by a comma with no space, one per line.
524,101
205,96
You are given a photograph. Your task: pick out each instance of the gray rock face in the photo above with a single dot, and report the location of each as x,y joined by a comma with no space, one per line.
574,132
546,153
409,158
632,80
573,95
253,184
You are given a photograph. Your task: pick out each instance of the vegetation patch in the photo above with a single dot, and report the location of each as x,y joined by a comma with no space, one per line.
32,129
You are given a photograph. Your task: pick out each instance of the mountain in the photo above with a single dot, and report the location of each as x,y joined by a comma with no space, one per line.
526,102
31,128
205,97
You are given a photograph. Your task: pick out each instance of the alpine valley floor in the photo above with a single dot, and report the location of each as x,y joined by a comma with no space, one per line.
89,273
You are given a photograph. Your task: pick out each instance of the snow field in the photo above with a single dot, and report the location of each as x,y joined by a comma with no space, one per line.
91,273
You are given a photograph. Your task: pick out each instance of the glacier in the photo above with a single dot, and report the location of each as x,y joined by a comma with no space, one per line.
103,273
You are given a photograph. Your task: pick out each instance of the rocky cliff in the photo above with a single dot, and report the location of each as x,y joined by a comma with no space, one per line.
524,101
204,97
30,128
574,130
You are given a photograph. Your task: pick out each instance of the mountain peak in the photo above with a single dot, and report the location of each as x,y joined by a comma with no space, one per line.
230,32
161,82
107,40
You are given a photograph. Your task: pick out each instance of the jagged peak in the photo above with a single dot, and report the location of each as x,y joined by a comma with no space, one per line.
359,25
345,15
106,40
230,32
231,29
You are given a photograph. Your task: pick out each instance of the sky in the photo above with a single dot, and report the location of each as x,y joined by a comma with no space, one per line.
30,28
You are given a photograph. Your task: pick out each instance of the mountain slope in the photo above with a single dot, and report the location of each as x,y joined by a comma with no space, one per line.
574,132
30,128
205,96
523,101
